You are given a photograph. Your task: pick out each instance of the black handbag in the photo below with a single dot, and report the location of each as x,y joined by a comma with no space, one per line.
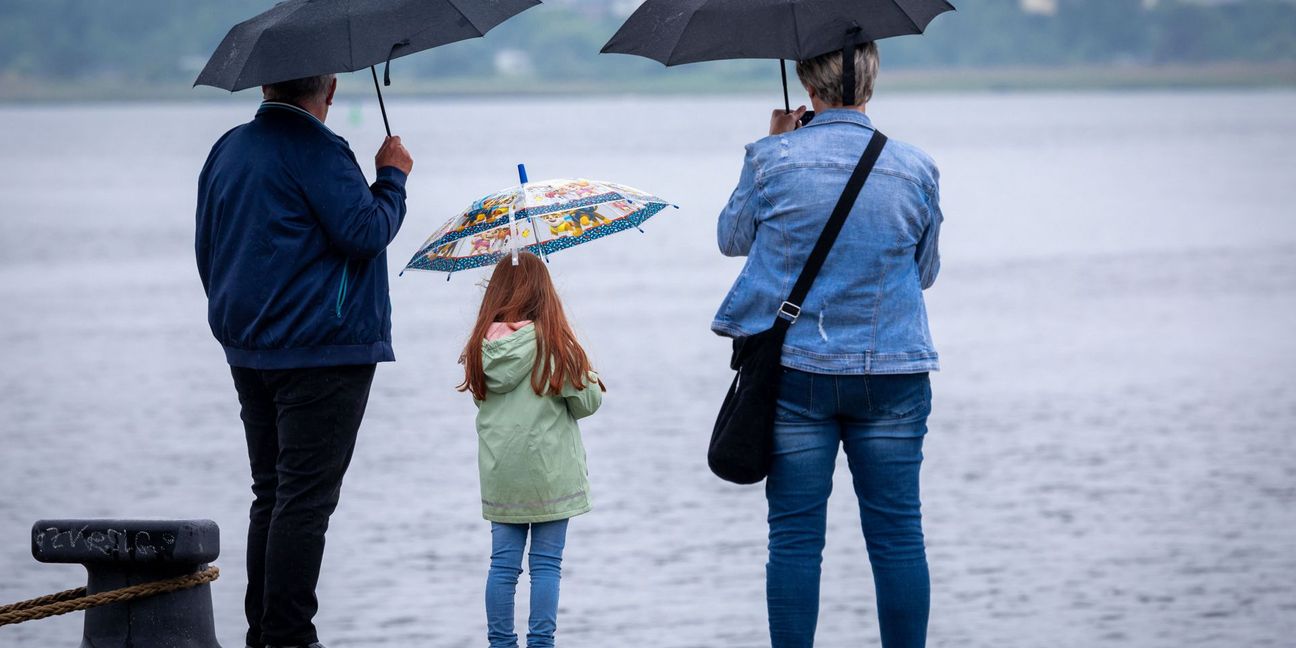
743,438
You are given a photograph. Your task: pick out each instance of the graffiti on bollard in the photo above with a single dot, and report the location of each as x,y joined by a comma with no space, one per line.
124,553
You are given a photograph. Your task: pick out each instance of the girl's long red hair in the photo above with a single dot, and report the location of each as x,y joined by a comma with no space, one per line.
525,292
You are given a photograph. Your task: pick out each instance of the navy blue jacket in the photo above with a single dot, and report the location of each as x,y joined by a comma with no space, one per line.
291,245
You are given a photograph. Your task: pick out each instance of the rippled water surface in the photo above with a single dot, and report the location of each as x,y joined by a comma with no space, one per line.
1111,458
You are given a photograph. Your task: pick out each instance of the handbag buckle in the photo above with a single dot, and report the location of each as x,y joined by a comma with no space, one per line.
789,311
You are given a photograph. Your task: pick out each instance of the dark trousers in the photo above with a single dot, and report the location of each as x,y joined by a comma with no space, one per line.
301,429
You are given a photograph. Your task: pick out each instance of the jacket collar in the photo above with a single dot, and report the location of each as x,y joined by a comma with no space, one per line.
838,115
287,107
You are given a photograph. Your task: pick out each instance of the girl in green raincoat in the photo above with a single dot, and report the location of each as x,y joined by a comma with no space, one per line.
531,381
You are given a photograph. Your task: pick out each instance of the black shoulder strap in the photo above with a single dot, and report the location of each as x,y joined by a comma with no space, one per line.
791,309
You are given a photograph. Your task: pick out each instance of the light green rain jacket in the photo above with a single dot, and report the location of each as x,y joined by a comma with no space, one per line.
529,449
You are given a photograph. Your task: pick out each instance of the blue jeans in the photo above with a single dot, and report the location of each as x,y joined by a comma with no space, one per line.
507,542
881,420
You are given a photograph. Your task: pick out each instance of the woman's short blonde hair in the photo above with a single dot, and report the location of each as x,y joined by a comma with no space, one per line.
824,74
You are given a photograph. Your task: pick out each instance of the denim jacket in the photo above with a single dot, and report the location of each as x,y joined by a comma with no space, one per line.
865,312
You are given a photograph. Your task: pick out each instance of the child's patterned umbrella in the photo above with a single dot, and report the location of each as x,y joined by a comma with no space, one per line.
537,217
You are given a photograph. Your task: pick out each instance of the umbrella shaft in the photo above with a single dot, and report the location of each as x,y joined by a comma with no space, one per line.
787,107
381,105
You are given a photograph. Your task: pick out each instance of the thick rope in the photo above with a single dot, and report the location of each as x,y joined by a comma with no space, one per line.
75,600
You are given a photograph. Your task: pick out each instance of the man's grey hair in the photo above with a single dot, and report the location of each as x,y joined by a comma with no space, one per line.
299,91
824,74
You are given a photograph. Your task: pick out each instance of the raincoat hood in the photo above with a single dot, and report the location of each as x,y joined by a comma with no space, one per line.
508,361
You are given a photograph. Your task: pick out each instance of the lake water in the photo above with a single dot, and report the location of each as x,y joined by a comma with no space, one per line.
1111,457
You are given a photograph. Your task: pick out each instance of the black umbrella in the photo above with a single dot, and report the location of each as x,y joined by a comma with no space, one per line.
673,32
302,38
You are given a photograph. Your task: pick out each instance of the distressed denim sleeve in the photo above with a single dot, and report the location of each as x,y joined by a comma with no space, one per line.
737,226
928,252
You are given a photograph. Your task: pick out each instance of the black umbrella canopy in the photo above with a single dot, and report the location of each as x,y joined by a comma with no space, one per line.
301,38
688,31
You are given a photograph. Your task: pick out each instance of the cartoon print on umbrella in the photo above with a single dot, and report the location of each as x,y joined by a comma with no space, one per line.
546,217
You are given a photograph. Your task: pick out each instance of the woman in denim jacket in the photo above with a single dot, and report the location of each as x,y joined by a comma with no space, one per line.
856,359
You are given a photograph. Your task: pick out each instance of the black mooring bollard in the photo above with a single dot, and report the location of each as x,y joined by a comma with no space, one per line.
120,553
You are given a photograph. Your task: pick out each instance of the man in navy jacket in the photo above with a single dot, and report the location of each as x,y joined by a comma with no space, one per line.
291,244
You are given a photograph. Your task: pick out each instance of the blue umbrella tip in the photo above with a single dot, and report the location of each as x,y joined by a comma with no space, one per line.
522,173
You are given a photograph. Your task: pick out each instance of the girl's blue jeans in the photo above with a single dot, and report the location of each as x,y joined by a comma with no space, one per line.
880,420
545,565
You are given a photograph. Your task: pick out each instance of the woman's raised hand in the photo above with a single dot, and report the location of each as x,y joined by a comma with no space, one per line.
785,122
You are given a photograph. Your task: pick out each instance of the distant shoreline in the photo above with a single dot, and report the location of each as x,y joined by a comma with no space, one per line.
1017,79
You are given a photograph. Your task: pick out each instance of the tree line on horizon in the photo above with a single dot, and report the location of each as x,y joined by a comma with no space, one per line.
163,41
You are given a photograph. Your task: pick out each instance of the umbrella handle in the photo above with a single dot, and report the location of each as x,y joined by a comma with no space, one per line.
381,105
